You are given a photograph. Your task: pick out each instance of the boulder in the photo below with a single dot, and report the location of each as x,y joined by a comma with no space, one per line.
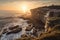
14,31
9,30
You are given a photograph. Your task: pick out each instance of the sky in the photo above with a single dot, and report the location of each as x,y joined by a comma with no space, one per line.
17,5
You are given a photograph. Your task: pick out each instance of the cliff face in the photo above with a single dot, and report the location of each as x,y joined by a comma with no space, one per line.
41,14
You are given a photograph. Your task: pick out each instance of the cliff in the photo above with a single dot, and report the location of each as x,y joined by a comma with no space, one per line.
41,15
48,16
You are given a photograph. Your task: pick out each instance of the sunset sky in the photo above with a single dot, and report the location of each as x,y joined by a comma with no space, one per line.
25,5
16,4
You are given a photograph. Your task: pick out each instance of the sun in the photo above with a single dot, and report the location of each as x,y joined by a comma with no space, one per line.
24,8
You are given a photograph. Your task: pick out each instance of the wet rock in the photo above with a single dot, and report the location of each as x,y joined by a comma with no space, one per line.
15,31
11,28
4,31
29,28
35,32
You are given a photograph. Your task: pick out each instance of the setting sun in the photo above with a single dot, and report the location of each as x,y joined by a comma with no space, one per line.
24,8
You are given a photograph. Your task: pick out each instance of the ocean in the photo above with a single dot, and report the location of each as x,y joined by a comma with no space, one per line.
7,22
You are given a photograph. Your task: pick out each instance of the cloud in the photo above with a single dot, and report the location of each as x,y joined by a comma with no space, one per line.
25,0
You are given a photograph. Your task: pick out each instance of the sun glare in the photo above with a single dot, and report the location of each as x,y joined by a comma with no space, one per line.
24,8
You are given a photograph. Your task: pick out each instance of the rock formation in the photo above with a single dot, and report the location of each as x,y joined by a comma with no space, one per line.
9,30
41,15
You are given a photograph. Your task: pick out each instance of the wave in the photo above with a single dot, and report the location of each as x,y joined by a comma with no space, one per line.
12,23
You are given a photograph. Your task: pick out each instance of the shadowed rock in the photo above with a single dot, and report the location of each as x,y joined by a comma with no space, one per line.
9,30
29,28
15,31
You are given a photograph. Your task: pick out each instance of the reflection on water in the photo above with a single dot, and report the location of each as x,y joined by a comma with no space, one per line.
13,22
